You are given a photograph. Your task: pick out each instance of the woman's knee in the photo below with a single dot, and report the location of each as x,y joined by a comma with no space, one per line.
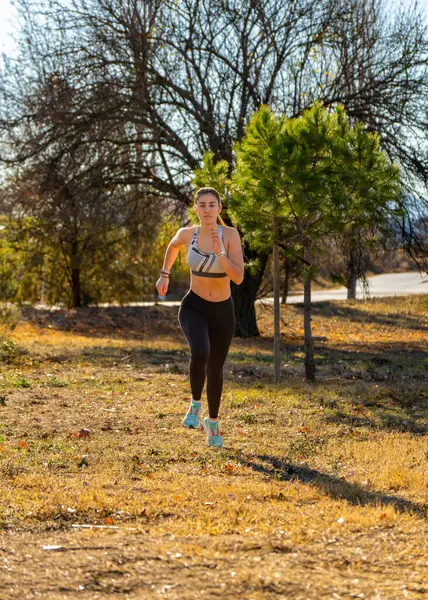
199,355
215,369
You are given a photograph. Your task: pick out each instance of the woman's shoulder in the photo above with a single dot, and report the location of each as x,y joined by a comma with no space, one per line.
183,236
230,232
187,231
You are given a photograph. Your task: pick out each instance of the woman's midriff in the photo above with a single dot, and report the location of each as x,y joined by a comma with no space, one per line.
214,290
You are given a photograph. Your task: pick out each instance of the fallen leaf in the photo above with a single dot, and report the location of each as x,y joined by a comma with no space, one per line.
81,434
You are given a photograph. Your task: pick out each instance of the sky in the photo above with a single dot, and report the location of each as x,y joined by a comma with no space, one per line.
8,22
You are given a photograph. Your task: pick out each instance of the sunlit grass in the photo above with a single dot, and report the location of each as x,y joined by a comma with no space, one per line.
90,431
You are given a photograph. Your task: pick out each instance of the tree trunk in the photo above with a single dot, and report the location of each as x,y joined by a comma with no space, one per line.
276,320
43,284
286,281
76,299
307,318
244,297
351,281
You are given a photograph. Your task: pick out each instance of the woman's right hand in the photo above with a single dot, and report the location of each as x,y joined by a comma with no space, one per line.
162,285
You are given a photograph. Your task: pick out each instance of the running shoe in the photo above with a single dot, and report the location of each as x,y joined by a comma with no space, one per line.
191,420
214,437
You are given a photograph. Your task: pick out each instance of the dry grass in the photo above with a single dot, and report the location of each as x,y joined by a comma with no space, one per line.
319,492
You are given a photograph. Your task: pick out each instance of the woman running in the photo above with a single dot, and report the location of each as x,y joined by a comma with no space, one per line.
206,314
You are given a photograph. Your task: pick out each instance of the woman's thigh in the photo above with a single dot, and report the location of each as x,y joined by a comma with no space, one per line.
221,335
195,329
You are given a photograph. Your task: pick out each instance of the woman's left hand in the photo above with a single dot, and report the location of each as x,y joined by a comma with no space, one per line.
215,240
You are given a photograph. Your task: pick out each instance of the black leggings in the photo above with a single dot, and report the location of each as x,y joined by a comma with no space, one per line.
209,328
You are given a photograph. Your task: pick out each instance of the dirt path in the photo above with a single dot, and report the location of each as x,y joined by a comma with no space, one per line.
93,564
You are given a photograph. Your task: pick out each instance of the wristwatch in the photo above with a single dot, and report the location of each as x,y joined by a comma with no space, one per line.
222,253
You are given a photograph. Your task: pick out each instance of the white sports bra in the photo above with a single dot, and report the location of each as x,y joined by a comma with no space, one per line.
204,264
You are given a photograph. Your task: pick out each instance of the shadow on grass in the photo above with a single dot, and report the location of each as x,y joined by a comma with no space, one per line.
351,312
172,360
385,363
335,487
136,322
378,386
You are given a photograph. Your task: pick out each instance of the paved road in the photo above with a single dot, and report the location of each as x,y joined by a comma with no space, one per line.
388,284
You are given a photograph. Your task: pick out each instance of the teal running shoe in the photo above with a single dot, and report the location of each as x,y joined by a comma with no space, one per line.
191,420
214,437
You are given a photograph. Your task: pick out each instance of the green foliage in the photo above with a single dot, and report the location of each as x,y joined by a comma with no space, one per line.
9,317
318,173
53,382
9,350
20,262
123,268
215,175
21,382
364,184
128,271
254,185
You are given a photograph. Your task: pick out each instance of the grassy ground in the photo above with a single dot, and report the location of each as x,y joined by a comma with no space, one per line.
319,492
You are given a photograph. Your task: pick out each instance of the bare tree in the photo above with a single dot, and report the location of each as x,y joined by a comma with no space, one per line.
376,65
170,80
72,196
179,78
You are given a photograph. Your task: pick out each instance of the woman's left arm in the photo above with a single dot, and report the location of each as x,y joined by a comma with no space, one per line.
233,264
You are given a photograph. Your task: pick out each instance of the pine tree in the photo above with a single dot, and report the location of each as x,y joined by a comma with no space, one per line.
297,181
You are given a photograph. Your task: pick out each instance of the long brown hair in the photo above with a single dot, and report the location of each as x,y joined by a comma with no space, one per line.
209,190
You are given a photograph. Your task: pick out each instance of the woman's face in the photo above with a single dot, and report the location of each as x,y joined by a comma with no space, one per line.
207,208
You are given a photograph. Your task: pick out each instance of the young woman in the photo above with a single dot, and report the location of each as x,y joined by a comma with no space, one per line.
206,314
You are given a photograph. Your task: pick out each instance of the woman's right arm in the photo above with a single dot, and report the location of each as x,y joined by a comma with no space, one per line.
180,239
